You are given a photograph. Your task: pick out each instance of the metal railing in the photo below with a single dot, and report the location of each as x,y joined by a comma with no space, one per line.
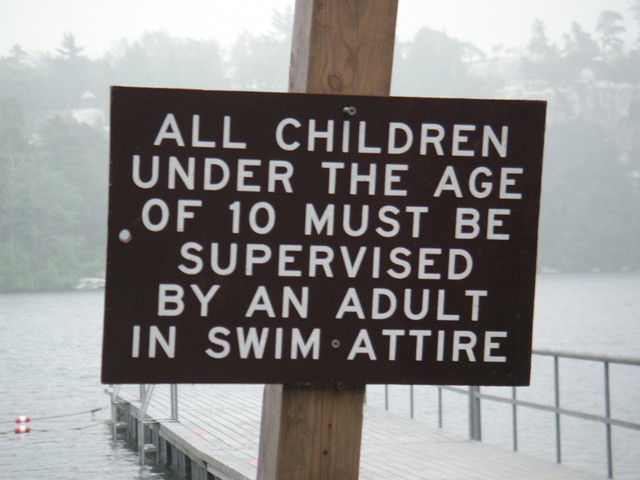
476,397
146,394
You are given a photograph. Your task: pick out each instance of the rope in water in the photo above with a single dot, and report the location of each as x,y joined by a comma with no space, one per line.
29,429
92,411
26,429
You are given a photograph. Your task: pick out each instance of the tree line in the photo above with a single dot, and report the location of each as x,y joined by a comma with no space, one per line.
54,133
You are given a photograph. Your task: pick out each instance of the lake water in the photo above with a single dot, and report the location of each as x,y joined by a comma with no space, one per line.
50,367
50,352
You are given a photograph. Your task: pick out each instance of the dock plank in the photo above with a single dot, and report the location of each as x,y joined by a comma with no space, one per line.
219,425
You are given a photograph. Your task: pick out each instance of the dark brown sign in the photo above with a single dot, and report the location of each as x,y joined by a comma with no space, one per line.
285,238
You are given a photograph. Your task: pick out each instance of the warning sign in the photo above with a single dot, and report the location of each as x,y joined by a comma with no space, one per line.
284,238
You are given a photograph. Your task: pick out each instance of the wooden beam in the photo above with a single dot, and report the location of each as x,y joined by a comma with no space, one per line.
314,432
311,432
343,47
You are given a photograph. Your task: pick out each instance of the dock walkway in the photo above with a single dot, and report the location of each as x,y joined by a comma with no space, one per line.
219,427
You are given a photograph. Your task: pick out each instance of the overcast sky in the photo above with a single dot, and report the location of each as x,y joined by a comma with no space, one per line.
38,25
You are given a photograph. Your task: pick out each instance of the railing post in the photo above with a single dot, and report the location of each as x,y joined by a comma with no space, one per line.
439,407
115,389
386,397
607,408
174,402
514,409
146,394
411,401
556,385
475,423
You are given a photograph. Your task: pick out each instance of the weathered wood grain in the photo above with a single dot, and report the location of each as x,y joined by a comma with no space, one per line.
339,47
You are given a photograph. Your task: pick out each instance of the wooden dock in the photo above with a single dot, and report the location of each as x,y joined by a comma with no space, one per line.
216,438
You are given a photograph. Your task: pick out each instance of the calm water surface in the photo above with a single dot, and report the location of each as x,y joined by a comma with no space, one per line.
50,367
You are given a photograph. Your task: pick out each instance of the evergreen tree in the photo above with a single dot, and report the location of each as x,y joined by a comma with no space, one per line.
610,27
262,62
435,64
580,49
53,169
635,13
69,75
69,49
158,59
39,240
542,59
539,46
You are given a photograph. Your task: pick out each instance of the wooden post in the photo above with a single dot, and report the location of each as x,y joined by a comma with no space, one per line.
313,432
343,47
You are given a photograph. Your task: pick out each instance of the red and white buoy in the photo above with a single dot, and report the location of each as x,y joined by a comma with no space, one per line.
23,419
22,429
